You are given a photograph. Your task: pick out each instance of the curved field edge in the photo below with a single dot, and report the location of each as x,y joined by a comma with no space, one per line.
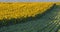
20,10
5,22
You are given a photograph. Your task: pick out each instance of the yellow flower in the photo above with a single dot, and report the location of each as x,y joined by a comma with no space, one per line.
15,10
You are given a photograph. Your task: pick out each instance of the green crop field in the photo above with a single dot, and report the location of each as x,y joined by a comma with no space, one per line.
48,21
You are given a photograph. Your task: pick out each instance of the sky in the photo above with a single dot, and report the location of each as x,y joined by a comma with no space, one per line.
29,0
